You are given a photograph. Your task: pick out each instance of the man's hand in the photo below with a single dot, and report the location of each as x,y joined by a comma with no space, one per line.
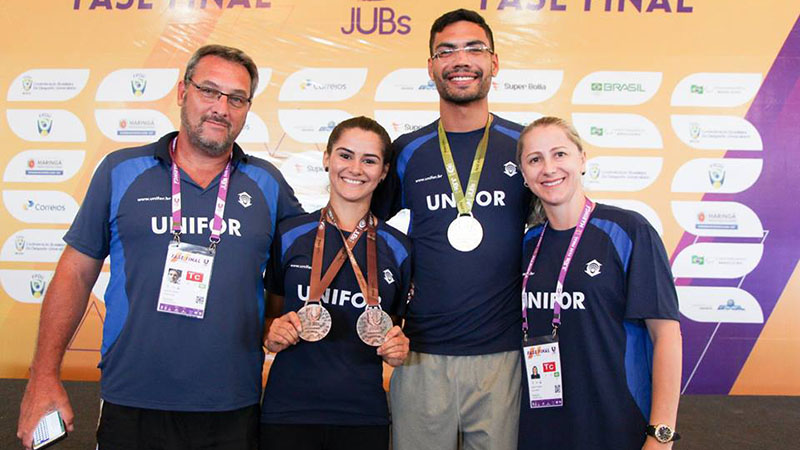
42,395
283,332
395,348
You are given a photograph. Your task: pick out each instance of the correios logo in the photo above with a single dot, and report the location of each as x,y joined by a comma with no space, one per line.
311,84
383,20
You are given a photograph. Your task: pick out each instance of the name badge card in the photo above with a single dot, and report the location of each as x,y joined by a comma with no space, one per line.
184,284
543,369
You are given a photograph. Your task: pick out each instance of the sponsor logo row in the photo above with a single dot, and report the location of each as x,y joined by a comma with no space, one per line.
610,130
523,86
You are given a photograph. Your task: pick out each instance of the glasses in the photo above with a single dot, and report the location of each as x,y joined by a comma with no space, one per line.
470,50
211,94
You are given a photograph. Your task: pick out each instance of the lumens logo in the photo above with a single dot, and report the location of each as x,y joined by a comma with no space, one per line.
329,127
429,86
617,87
37,285
138,84
730,305
716,175
44,124
384,20
698,260
696,89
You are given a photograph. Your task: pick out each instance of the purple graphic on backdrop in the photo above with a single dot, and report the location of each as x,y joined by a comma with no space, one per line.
714,354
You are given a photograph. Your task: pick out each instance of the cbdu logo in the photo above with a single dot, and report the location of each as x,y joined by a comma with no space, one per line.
384,21
138,84
44,124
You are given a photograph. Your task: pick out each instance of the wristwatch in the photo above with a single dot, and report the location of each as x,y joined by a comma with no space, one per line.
663,433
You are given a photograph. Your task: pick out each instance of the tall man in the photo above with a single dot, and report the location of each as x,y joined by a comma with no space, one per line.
181,362
468,206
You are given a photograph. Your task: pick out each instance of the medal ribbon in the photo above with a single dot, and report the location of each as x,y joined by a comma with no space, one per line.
588,205
321,282
464,201
219,209
368,287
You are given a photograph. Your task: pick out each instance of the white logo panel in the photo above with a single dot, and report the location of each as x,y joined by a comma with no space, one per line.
719,305
310,126
44,166
399,122
100,286
521,117
305,173
48,85
26,286
717,260
716,132
264,76
617,130
254,131
614,173
46,125
616,88
132,125
640,207
716,89
723,219
33,245
719,175
407,85
137,85
525,86
322,85
40,206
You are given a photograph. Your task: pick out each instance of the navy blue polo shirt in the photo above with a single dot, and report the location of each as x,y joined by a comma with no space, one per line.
339,379
619,276
164,361
465,303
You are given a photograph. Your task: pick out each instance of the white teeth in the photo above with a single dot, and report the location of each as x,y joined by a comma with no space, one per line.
553,183
349,181
461,78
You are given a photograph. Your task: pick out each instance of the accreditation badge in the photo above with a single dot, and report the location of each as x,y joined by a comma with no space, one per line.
543,372
184,284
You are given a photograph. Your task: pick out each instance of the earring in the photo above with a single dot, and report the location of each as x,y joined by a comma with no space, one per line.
326,168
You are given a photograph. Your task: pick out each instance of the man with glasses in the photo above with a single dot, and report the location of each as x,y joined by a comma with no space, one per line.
181,363
461,381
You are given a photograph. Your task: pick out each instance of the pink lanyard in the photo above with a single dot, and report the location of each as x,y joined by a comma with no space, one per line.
219,210
573,245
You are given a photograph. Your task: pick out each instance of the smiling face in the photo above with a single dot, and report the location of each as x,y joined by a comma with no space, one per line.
462,78
552,165
213,125
355,165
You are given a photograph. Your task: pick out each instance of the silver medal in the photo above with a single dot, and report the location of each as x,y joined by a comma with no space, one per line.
372,325
315,320
465,233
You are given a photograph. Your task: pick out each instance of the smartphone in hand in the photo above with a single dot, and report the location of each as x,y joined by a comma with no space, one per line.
50,430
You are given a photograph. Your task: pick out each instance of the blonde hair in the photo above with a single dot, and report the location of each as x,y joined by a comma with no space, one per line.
537,214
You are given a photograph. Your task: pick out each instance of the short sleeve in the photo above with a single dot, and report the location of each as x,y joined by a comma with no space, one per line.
386,200
273,277
90,232
288,206
650,287
406,268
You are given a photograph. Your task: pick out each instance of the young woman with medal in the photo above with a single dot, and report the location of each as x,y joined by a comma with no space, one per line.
599,312
338,281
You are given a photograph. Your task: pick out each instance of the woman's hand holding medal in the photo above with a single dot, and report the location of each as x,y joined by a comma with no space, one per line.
283,332
394,350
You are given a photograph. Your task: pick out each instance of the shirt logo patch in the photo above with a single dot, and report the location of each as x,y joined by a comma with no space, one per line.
593,268
245,199
387,275
510,169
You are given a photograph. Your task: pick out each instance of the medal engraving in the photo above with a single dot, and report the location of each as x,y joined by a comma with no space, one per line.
316,322
465,233
372,326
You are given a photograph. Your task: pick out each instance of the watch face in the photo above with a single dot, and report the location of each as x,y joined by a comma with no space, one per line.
663,433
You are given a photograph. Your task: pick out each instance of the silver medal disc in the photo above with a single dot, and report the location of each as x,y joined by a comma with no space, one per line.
465,233
315,320
372,326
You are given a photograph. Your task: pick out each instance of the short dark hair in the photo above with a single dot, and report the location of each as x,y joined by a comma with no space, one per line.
459,15
366,124
231,54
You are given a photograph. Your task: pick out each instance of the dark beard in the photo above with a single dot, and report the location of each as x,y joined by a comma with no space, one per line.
463,99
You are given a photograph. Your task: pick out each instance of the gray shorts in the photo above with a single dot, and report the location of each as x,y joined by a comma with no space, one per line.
440,401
